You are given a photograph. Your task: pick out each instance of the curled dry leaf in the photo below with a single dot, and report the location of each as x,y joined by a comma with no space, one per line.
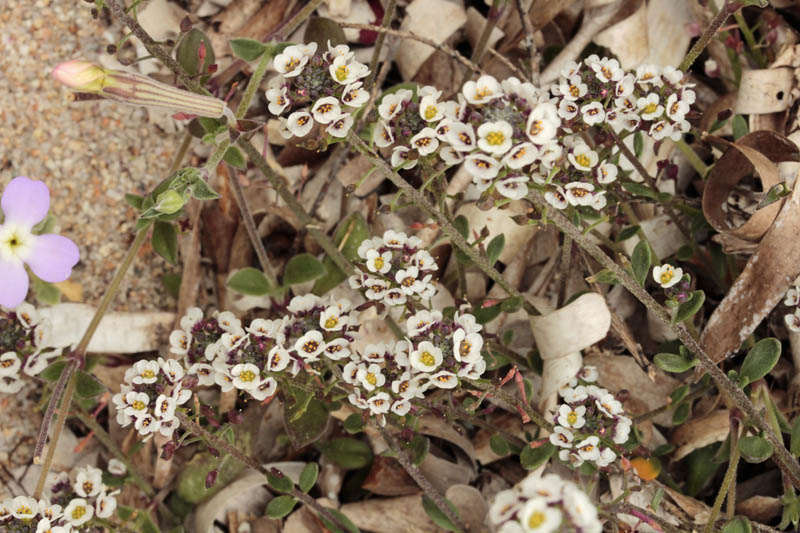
766,277
764,91
699,432
382,515
472,506
434,19
627,39
759,151
562,334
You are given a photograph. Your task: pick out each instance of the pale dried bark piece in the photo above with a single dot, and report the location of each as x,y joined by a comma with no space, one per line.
472,506
764,91
435,19
760,508
627,39
699,432
390,515
499,221
662,233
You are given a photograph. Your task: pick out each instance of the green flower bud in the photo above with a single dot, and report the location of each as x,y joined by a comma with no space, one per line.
169,202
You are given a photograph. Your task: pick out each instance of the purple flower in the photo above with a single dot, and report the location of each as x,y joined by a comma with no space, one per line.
25,203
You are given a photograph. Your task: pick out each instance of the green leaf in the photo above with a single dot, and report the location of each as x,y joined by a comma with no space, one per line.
235,157
627,232
87,386
511,304
532,458
462,225
681,414
247,49
279,483
604,276
672,362
302,268
45,293
308,477
687,309
305,419
640,261
320,30
638,144
134,200
53,371
419,446
637,189
202,191
348,453
760,360
353,230
342,518
495,248
755,449
165,241
679,394
740,128
700,468
795,442
187,53
499,445
774,193
281,506
739,524
250,281
484,315
172,284
437,516
354,424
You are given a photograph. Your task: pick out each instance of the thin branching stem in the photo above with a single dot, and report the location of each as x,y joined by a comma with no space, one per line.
708,34
388,16
480,47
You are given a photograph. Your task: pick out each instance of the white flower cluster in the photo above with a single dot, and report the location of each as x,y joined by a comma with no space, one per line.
396,269
435,354
151,393
72,506
587,421
792,299
328,83
542,505
24,334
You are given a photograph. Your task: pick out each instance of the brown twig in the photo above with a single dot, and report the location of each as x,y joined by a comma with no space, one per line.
388,16
527,26
491,23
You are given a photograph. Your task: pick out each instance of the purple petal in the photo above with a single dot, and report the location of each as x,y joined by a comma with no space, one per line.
13,283
25,201
52,257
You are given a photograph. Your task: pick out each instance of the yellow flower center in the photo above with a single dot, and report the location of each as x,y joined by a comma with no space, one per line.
583,160
403,386
310,346
325,108
650,108
335,348
247,376
574,91
78,512
7,363
302,121
24,510
443,379
430,112
148,374
495,138
519,153
580,193
14,241
371,379
342,72
572,418
138,405
667,276
407,282
464,138
482,92
465,348
536,520
331,322
536,127
606,72
427,359
87,487
379,263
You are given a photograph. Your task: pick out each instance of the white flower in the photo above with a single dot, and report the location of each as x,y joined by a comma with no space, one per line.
340,50
622,430
164,409
579,193
588,373
137,403
341,125
370,376
607,456
401,407
204,372
461,137
672,75
426,358
117,467
147,424
569,68
588,448
379,403
105,505
24,507
661,130
543,123
536,516
593,113
574,394
395,239
571,418
304,304
425,142
556,197
278,100
581,510
299,123
676,109
625,86
78,512
473,370
667,275
310,345
467,346
430,110
395,297
495,137
400,158
376,289
382,135
354,95
521,155
379,262
264,328
647,74
45,525
357,400
567,109
265,389
607,173
172,369
504,505
444,380
608,70
792,321
649,106
145,372
562,437
179,342
326,109
392,104
9,364
346,71
192,317
482,166
482,91
572,88
514,187
583,157
421,321
571,458
27,315
609,405
599,200
291,61
88,482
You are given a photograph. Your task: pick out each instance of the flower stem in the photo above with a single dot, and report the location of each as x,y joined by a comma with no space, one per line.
727,481
708,34
693,158
511,400
388,16
533,53
786,462
750,39
253,84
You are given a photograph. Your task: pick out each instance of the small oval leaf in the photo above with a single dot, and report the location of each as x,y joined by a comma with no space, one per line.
348,453
281,506
302,268
755,449
672,362
308,478
640,261
760,360
532,458
249,281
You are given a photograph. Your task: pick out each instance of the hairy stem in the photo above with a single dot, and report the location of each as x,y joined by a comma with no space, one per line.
708,34
511,401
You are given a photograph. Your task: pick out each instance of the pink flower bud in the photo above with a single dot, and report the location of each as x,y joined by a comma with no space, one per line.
80,75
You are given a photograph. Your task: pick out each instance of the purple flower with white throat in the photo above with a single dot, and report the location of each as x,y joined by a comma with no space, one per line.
50,257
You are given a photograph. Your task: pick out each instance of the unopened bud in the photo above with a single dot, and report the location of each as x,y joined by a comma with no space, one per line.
169,202
81,75
211,479
186,24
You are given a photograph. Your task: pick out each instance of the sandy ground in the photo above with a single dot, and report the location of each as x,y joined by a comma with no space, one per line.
89,153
